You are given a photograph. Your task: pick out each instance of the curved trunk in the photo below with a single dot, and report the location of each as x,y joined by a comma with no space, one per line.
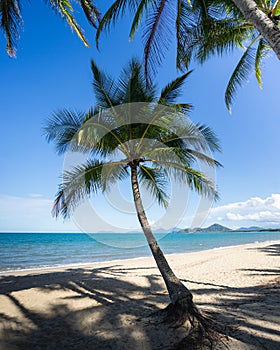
177,291
268,29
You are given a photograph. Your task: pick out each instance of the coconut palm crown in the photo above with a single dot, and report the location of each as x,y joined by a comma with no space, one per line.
138,135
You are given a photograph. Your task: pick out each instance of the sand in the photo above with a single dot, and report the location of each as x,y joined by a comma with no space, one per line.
107,305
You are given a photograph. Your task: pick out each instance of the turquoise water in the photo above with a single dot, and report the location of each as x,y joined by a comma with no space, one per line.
37,250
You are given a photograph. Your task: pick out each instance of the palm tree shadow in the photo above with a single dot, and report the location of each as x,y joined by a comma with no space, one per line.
115,314
273,249
249,315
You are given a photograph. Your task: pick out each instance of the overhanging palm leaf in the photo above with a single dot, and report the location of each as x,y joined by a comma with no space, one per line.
11,18
216,37
203,28
65,9
115,10
140,11
262,52
241,73
10,23
91,12
157,33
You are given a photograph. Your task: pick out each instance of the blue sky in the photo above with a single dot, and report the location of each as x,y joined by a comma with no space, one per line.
52,71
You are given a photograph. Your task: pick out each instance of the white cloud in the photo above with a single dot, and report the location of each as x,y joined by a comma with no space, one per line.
31,213
256,210
260,216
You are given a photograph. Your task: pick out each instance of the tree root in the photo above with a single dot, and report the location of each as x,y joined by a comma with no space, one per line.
202,331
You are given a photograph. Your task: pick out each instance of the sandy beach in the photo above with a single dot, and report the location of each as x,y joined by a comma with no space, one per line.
107,305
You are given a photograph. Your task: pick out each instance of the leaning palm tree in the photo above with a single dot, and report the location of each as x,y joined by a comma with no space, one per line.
11,18
141,136
203,28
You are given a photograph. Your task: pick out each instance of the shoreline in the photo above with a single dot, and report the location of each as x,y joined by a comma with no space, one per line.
126,260
83,254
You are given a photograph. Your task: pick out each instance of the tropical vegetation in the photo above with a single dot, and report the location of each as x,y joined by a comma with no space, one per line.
11,21
203,28
145,138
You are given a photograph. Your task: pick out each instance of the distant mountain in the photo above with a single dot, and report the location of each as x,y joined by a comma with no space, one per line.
258,229
212,228
251,228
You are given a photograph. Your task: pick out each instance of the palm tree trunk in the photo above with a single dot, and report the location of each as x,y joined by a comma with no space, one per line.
178,293
268,29
181,310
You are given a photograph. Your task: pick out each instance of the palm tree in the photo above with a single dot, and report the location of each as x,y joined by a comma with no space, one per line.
11,18
149,142
265,16
203,28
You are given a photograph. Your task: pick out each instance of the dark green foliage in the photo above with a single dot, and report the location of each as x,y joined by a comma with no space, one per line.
203,28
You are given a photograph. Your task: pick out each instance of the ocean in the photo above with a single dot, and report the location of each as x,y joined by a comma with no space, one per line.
21,251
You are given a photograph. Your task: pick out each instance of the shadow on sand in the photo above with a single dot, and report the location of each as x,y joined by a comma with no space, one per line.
116,315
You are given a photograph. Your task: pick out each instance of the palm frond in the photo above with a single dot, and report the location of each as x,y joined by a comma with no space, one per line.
262,52
76,185
104,87
141,9
133,84
240,75
222,37
113,172
116,10
180,155
219,38
173,90
10,23
91,12
186,134
61,127
65,9
157,33
186,18
102,135
201,184
155,181
203,157
84,180
195,179
205,28
209,136
161,155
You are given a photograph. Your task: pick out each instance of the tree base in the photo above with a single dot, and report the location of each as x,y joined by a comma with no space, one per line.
201,330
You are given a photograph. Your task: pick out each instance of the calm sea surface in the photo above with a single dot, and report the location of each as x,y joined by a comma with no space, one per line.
38,250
